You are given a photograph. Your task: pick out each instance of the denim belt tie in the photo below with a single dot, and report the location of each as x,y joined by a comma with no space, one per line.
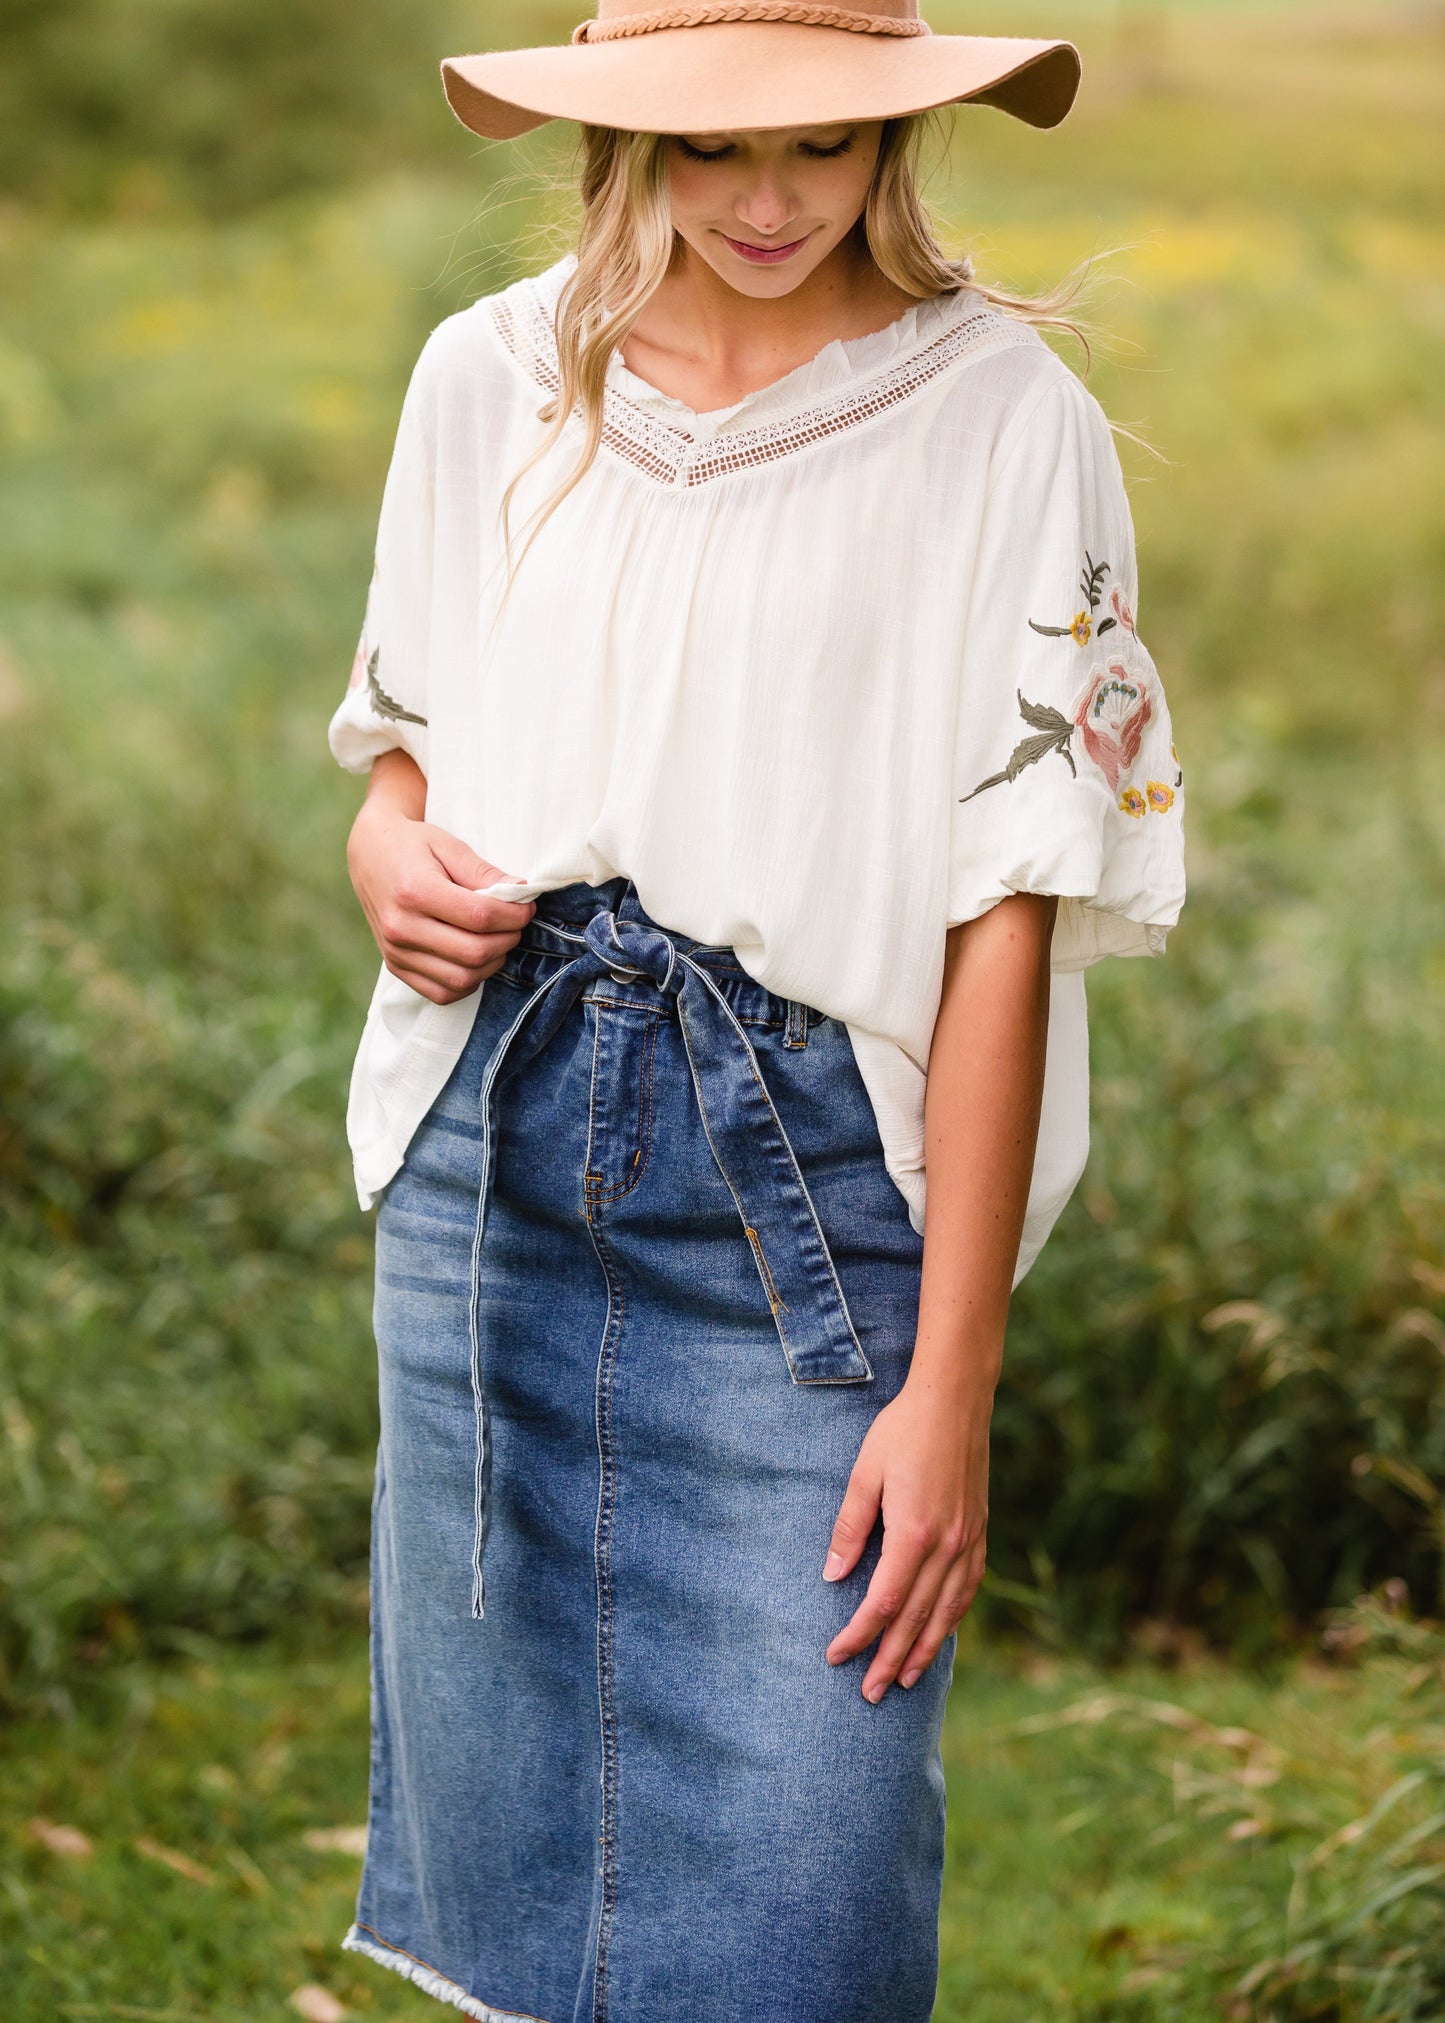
747,1139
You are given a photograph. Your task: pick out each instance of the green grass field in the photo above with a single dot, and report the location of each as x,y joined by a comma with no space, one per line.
1222,1414
1121,1846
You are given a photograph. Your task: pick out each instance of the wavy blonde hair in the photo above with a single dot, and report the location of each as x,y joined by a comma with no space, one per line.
626,244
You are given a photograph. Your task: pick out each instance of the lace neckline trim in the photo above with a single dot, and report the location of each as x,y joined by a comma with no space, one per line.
674,457
841,360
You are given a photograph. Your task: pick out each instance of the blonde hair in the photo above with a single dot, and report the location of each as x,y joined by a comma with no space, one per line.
625,246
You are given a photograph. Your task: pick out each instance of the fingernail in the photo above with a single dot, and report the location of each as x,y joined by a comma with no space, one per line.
875,1693
833,1566
910,1678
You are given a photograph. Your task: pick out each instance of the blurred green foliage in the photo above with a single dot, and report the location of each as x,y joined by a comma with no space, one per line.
135,102
1223,1400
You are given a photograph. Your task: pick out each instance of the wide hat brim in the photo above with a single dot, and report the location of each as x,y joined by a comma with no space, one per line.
734,76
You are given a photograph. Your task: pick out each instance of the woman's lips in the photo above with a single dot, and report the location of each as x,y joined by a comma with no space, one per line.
764,256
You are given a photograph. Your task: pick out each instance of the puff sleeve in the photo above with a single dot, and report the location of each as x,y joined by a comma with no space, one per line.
385,704
1065,775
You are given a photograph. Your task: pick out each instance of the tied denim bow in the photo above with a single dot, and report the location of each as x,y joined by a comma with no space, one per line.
747,1139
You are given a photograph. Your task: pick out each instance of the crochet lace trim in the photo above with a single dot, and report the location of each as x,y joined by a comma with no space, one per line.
672,458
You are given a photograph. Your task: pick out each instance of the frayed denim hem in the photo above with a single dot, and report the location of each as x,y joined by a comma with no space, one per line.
363,1940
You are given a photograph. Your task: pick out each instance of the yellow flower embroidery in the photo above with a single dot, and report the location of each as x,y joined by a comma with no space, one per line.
1080,627
1161,798
1132,801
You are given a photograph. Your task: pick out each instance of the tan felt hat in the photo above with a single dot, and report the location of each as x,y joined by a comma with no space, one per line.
720,66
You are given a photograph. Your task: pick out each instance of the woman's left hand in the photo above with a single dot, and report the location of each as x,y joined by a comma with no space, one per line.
924,1465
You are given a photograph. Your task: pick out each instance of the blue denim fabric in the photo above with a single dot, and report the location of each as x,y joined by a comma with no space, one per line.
642,1283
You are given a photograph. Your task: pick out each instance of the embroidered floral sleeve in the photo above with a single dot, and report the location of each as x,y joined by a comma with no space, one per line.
1067,780
384,706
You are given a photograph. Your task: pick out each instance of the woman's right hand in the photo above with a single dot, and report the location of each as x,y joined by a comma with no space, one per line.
419,889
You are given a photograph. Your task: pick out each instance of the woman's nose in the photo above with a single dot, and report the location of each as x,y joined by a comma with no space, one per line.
766,208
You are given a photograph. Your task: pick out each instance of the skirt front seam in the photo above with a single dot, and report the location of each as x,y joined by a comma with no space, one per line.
606,1508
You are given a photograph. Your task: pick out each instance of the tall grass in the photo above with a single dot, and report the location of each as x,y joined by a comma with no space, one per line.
1262,1853
1362,1931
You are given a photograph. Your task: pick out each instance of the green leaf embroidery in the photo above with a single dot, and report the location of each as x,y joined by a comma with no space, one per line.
1029,751
1091,581
1044,717
381,702
1052,734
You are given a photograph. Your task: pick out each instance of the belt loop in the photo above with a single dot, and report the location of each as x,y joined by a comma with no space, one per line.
797,1032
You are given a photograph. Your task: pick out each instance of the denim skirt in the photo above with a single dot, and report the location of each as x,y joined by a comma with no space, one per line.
642,1283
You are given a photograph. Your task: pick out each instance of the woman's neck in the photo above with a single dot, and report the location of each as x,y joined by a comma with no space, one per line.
708,345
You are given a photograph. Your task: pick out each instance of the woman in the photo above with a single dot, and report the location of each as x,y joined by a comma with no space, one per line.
756,720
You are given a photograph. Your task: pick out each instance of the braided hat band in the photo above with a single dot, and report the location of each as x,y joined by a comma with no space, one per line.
613,27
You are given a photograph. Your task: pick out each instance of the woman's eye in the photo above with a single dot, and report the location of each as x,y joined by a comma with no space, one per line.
812,149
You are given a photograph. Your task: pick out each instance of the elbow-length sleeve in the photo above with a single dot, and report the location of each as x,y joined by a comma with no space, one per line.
1066,779
385,704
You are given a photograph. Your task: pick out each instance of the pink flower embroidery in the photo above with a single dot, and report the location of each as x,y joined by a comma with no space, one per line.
1119,605
1111,714
358,665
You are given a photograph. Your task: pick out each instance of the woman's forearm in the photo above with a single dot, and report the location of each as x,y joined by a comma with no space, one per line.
396,785
981,1120
924,1461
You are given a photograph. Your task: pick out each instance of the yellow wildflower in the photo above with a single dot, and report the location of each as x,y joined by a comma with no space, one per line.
1081,625
1132,801
1161,798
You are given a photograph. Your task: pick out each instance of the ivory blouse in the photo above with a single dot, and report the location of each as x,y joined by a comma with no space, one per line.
824,673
